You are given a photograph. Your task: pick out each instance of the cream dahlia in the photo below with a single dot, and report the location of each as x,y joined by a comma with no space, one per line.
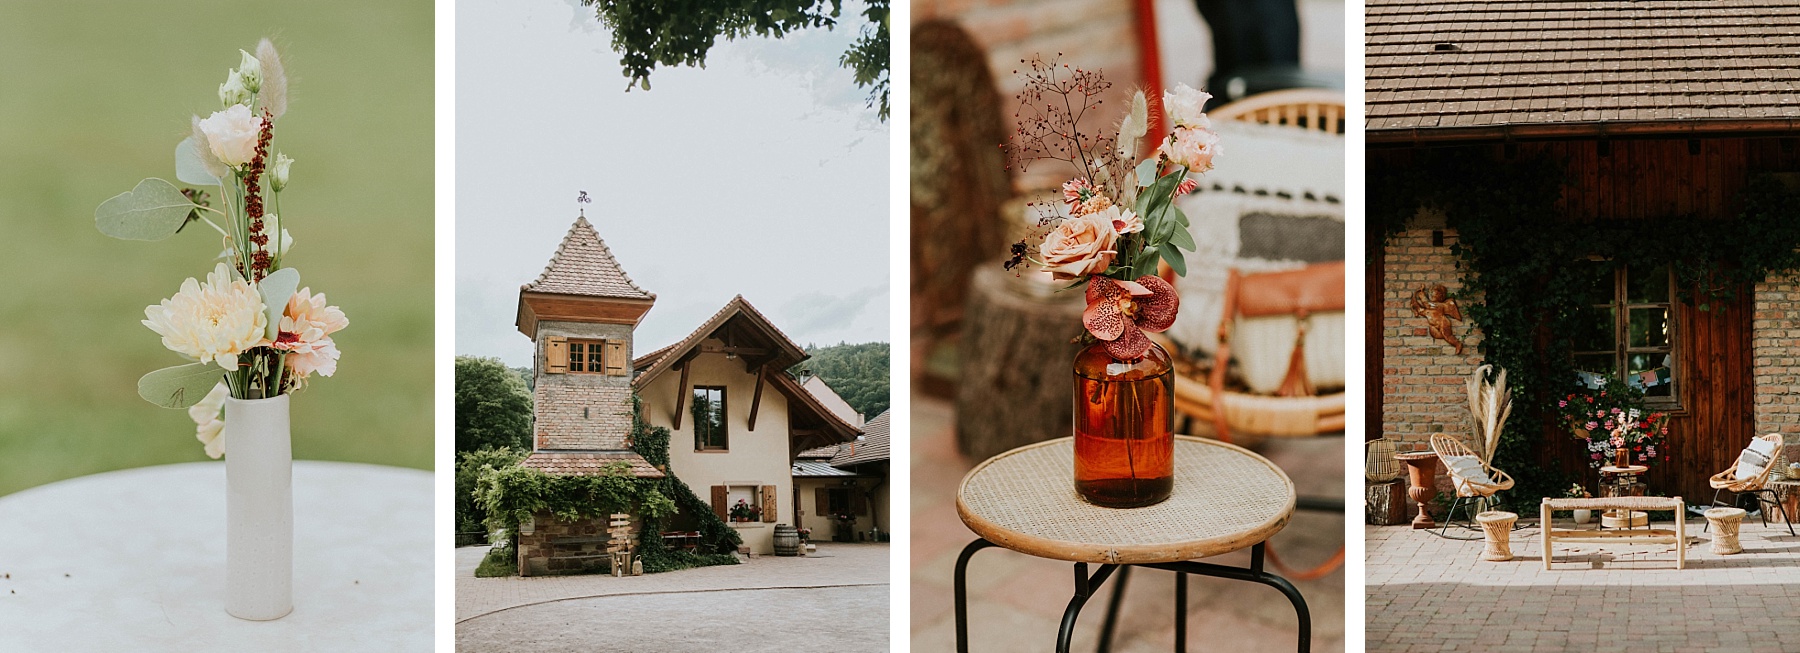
212,322
209,421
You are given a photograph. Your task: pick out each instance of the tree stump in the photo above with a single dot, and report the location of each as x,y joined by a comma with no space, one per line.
959,176
1385,502
1016,381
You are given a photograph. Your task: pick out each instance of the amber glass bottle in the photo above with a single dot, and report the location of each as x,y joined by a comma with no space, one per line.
1124,428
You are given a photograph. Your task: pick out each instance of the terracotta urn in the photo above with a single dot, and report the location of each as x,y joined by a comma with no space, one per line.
1421,471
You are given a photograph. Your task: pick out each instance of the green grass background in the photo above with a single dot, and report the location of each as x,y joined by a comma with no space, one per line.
93,97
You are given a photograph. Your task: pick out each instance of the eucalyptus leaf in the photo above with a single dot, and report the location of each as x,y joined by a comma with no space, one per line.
188,167
154,210
277,288
180,386
1146,173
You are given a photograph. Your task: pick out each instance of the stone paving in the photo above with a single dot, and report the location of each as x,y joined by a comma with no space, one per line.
834,565
808,620
1426,593
1016,601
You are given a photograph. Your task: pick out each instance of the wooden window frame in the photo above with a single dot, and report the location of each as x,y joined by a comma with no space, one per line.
594,356
1621,351
724,420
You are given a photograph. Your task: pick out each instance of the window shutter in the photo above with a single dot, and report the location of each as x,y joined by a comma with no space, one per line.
771,508
556,355
718,497
615,358
822,502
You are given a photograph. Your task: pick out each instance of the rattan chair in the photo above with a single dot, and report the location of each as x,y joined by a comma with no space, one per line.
1313,109
1468,490
1755,486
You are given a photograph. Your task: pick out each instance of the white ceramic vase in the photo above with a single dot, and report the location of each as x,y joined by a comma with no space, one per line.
1584,516
259,509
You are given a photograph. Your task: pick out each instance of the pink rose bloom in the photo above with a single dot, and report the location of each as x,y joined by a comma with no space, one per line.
1192,147
1080,246
1591,426
1596,456
1562,404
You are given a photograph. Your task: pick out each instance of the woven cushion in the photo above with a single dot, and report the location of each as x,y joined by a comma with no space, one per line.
1754,458
1464,469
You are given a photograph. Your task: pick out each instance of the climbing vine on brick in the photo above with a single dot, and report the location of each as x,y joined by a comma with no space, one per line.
1513,242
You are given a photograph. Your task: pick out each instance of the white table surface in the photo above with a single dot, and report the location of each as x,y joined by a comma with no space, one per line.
134,560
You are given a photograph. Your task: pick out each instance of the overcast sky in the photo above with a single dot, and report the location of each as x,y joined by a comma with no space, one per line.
763,175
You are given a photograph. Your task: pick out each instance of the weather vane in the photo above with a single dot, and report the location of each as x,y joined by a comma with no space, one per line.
584,200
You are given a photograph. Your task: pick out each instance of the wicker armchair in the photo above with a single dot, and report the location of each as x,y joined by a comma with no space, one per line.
1468,490
1306,108
1755,486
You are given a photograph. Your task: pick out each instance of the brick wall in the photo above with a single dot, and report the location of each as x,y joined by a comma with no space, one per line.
1091,34
582,411
1423,380
1775,353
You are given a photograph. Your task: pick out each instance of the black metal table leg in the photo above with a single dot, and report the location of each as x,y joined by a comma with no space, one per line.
1181,612
1084,589
962,592
1086,585
1112,611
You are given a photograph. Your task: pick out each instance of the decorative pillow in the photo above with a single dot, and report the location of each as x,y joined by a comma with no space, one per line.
1754,458
1464,469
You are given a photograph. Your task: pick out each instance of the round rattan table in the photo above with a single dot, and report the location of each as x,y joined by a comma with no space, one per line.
1225,499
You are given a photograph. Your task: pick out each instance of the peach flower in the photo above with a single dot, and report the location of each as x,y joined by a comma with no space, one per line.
305,333
1193,147
1185,106
1079,246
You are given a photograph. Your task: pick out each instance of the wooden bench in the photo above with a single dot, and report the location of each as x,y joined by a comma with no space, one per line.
1678,536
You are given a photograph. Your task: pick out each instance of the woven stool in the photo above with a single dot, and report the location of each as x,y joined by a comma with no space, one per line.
1725,522
1225,499
1498,526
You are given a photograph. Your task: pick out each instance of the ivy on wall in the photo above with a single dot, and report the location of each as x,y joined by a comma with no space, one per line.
511,494
1512,243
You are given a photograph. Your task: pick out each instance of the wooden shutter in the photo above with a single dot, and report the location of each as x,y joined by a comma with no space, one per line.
718,498
822,501
556,355
616,365
770,507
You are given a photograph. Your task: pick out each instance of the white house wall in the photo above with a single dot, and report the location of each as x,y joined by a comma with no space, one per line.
757,457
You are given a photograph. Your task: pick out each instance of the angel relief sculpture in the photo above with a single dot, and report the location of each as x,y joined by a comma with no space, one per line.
1438,309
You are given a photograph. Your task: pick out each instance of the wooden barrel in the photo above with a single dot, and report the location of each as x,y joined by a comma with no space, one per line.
787,540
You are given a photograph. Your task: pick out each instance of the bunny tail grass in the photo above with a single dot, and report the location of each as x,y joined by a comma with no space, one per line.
274,83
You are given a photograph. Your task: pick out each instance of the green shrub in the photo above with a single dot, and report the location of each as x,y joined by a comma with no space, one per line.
499,561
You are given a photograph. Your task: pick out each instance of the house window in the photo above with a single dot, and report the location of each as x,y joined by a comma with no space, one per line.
596,357
1627,328
709,419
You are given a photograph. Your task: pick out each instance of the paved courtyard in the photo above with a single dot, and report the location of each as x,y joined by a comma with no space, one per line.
1016,601
1431,594
833,600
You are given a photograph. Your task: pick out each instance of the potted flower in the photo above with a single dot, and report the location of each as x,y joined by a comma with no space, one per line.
846,527
251,333
742,512
1116,224
1576,491
1613,421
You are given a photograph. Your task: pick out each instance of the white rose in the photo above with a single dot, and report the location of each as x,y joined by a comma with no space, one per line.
231,134
1186,106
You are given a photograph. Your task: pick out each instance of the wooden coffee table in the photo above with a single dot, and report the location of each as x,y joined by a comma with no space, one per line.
1225,499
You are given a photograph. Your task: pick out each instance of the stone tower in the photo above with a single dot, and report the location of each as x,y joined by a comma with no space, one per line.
580,314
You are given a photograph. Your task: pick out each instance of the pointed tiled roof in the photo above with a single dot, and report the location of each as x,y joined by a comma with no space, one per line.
583,265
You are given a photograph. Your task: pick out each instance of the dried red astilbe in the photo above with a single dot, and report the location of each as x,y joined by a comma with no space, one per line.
253,203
